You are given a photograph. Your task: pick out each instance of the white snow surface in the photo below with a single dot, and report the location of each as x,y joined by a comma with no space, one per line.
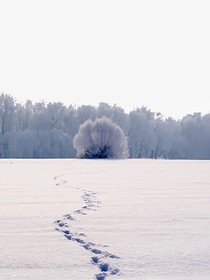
104,219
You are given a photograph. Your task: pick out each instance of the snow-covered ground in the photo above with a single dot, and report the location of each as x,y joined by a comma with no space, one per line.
104,219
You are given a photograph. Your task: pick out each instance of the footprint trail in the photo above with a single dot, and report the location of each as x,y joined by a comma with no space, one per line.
100,256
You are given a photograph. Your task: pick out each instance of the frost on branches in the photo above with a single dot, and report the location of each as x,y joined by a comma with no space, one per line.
100,139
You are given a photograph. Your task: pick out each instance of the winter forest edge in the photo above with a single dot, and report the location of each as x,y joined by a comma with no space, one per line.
47,130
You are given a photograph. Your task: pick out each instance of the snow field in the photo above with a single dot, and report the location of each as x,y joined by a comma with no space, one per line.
105,219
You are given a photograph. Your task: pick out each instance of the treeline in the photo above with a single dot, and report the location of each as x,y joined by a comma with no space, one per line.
43,130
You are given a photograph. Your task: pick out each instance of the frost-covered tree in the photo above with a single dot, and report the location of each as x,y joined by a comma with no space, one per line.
101,138
6,122
141,136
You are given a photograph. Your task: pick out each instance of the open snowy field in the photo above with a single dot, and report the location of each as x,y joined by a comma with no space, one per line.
104,219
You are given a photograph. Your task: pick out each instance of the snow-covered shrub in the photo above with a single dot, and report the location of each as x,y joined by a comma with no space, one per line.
100,139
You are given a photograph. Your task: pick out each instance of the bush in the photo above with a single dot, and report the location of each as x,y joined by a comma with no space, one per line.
100,139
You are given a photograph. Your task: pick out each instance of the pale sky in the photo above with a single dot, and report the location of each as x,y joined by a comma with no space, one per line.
130,53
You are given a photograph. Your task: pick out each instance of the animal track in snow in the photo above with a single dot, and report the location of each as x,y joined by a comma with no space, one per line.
99,257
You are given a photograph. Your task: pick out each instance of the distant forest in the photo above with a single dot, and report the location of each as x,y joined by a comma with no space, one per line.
47,130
